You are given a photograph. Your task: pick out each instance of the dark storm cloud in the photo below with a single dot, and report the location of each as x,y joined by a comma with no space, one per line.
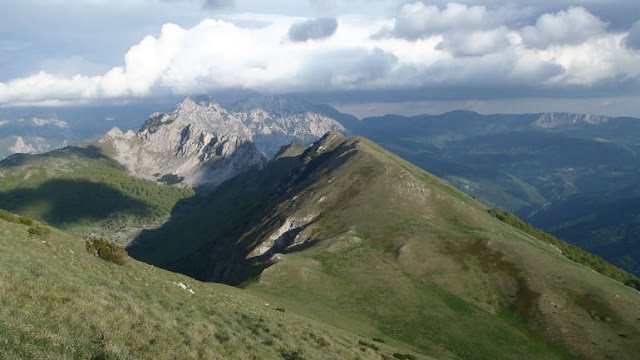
313,29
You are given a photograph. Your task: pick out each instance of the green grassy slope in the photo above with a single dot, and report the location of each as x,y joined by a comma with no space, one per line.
577,181
82,191
59,302
570,251
363,240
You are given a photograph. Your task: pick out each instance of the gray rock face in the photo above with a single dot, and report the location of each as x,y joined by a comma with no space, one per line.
204,144
556,120
276,120
182,150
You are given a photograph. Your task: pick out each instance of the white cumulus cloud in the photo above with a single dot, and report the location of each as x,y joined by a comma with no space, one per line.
416,20
572,26
423,46
475,43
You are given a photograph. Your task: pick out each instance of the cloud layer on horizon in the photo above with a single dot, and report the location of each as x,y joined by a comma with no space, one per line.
421,46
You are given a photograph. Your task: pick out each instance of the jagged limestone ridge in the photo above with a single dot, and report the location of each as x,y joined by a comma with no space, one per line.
202,144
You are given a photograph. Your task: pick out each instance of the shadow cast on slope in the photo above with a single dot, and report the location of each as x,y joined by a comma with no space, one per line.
64,202
209,237
203,231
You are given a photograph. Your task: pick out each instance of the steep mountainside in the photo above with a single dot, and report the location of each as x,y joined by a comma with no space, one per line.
556,170
57,301
354,236
84,192
202,143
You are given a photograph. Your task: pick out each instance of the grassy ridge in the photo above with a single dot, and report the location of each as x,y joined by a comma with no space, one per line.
347,234
358,238
571,251
59,302
425,264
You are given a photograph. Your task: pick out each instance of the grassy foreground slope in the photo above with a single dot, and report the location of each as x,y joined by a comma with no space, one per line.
59,302
83,192
363,240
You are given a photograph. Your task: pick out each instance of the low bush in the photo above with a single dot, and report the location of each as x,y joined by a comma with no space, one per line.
368,344
404,356
107,250
39,230
222,336
292,354
25,221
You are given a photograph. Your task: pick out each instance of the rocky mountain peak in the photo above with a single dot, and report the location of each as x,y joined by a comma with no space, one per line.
189,106
195,145
198,137
270,121
185,105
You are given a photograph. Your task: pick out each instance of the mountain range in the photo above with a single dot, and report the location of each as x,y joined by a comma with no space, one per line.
202,144
565,173
339,232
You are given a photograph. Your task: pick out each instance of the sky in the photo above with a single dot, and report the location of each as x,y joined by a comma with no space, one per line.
367,57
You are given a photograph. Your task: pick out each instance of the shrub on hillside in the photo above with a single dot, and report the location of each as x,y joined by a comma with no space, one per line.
404,356
369,345
25,221
39,230
107,250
